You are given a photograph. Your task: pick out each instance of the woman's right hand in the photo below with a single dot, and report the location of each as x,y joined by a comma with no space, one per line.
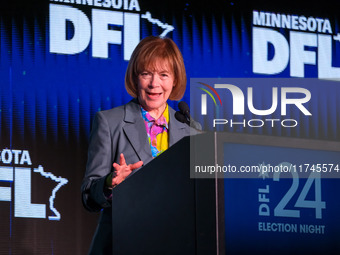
122,170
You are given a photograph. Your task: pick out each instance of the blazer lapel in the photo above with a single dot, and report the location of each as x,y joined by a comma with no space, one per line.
176,128
135,131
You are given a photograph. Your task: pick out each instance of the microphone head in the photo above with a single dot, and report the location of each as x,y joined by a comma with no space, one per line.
183,107
181,118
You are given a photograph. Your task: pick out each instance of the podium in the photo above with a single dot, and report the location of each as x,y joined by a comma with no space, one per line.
161,210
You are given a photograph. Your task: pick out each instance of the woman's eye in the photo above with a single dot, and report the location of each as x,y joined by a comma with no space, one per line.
145,74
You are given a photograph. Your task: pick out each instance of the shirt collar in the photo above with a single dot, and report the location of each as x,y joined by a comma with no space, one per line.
163,120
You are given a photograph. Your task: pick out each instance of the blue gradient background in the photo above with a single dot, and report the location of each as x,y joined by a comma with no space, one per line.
47,101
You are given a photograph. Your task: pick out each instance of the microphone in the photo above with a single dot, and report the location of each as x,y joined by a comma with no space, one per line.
184,108
184,116
181,118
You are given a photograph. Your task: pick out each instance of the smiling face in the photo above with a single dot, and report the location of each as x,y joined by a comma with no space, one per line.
154,85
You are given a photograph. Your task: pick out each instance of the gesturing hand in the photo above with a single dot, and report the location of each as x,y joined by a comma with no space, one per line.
123,170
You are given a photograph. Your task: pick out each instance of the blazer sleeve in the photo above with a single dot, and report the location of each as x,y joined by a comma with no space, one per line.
99,165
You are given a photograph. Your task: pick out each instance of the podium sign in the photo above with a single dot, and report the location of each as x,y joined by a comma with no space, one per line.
291,206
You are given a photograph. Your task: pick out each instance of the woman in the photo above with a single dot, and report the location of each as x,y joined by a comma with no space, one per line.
125,138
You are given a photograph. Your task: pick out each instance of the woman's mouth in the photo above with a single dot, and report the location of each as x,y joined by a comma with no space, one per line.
153,95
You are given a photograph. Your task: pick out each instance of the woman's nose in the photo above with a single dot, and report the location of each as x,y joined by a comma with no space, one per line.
154,81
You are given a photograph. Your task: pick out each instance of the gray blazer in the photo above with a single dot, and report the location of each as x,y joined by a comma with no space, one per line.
115,131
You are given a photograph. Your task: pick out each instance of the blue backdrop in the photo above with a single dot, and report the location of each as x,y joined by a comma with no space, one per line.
62,61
